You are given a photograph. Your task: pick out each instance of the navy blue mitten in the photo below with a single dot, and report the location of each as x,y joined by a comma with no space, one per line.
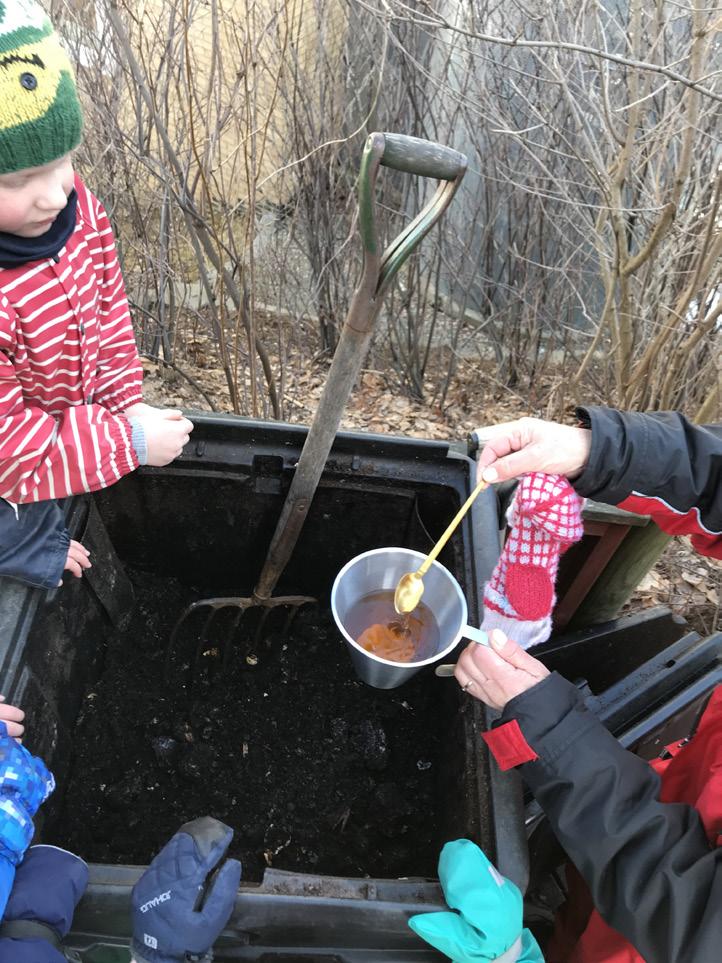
34,543
29,951
180,905
39,913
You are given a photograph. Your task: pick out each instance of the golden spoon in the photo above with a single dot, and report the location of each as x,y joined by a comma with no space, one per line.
411,585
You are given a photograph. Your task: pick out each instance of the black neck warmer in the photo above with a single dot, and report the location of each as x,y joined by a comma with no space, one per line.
16,250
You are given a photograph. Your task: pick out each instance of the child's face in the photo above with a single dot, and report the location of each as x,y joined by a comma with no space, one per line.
31,199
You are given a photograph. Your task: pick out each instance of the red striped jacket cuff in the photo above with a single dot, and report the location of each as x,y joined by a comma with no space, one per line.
508,745
124,455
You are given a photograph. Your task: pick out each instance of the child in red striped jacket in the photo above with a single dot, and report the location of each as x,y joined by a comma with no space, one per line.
72,418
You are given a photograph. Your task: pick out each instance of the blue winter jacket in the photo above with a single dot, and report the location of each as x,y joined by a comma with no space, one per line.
25,783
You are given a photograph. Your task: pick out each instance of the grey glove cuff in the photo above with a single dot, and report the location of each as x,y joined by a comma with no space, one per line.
138,440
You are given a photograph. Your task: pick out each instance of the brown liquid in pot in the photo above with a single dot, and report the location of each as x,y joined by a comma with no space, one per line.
376,626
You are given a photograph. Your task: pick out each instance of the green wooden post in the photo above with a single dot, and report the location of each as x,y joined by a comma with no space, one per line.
637,554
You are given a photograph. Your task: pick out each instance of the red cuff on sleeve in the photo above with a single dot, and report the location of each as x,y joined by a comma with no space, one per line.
508,745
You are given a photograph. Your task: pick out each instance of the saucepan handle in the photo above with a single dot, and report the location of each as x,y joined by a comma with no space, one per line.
469,632
476,635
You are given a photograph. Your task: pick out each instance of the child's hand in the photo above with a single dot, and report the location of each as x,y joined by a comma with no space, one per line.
141,410
78,559
188,924
13,719
166,434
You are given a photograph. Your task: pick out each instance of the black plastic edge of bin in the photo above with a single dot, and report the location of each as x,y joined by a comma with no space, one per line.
286,913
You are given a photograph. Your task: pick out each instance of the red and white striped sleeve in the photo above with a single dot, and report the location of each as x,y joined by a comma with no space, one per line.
119,371
44,456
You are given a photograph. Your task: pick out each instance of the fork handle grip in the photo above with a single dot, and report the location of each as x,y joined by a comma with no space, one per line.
423,157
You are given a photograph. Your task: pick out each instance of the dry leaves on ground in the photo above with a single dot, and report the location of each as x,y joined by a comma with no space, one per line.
376,405
686,582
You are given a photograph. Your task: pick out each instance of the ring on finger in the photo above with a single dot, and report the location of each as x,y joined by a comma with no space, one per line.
467,685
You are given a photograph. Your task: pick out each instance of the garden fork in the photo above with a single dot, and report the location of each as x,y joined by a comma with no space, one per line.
401,153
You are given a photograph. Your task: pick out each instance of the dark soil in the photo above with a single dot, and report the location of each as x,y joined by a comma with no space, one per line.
315,771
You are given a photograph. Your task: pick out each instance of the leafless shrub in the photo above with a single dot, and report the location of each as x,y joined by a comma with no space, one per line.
594,129
225,139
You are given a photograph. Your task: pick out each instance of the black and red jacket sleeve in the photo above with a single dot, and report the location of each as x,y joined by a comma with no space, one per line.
657,464
651,871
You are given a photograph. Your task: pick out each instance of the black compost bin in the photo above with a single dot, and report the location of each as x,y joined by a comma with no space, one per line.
340,795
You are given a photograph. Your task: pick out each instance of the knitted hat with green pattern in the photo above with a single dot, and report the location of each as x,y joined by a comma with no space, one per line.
40,115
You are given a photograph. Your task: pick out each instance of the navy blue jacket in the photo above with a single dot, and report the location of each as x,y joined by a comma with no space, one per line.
33,543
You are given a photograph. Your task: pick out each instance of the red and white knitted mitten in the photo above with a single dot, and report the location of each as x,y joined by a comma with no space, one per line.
545,518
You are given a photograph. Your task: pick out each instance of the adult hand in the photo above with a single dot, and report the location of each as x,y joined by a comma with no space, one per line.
78,559
515,448
13,719
182,901
165,436
496,673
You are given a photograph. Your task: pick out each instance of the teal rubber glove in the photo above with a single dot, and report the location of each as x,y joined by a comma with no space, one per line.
488,922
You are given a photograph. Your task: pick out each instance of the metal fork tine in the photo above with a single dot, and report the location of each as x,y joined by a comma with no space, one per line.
294,602
203,641
228,640
261,623
292,613
170,648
